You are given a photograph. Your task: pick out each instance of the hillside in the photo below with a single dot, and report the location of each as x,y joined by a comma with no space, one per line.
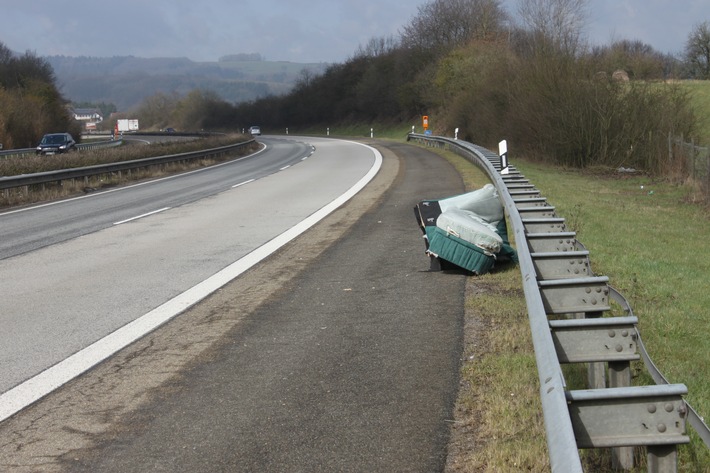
126,80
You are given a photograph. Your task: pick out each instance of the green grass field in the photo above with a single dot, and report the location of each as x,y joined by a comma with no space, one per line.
700,98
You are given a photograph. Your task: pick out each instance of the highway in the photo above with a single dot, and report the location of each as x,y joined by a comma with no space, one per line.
77,270
29,229
339,352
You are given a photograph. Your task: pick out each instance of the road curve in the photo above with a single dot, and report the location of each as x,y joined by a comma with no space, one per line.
123,279
338,353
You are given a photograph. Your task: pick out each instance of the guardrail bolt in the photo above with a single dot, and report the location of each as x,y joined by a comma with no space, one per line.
652,408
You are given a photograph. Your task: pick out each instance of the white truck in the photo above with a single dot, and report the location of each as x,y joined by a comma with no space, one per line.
125,124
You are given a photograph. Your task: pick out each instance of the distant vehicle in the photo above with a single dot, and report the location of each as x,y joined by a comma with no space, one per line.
56,143
125,124
170,130
255,131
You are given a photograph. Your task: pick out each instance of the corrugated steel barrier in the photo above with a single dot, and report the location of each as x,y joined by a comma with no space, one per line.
567,309
9,182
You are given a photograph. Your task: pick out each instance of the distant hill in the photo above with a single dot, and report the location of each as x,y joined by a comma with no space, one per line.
126,80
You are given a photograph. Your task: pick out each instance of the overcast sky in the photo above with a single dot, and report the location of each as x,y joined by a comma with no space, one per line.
288,30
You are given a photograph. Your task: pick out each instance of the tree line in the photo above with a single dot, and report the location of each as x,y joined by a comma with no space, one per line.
467,64
30,102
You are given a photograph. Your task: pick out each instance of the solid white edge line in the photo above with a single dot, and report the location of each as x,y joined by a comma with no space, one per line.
141,216
35,388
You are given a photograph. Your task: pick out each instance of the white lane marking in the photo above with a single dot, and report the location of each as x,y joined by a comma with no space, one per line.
285,167
243,183
35,388
141,216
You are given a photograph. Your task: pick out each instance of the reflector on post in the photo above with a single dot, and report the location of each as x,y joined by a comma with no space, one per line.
503,153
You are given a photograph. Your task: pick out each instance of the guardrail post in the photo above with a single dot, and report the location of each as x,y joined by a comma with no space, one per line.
596,341
662,459
544,225
561,264
576,295
596,372
538,211
622,458
650,416
552,242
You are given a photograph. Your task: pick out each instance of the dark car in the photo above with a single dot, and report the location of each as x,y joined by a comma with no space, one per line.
56,143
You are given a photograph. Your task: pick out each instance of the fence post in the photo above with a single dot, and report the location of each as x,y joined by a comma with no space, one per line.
692,157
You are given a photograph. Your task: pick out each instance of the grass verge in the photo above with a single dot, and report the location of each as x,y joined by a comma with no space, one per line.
498,417
700,100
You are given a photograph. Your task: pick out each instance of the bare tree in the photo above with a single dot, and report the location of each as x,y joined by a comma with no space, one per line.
697,51
442,25
555,23
378,46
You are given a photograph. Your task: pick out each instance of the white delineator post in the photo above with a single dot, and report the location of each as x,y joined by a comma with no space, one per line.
503,153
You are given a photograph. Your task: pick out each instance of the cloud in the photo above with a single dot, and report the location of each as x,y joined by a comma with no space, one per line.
295,30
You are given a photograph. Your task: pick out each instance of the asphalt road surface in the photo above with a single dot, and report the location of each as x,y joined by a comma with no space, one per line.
339,353
76,271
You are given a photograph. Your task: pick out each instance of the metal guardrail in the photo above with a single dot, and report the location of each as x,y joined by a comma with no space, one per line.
10,182
82,146
109,142
558,282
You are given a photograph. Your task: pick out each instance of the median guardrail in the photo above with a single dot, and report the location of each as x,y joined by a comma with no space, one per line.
82,146
9,182
558,283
